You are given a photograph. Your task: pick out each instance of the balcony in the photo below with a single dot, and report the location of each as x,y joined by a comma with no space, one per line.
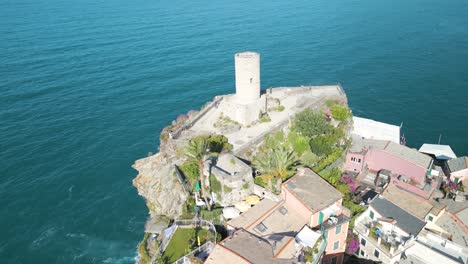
314,254
390,243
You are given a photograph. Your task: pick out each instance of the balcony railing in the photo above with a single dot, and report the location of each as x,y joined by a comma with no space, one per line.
389,244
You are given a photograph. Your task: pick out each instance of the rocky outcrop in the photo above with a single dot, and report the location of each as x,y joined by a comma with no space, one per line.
158,185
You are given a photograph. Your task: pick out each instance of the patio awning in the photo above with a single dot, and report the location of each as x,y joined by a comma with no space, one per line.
443,152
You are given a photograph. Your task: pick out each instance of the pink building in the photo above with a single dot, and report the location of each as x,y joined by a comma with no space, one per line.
309,209
375,155
321,203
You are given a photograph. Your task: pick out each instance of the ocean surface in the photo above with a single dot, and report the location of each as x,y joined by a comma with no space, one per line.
86,86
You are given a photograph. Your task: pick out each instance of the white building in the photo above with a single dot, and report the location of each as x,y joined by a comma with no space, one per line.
371,129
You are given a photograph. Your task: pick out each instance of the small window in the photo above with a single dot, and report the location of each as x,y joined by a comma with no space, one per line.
336,245
261,227
376,253
363,241
283,210
371,214
362,253
359,161
250,80
430,218
456,180
334,260
338,230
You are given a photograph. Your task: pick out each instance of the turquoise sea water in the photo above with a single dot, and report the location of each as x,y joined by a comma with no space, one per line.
86,86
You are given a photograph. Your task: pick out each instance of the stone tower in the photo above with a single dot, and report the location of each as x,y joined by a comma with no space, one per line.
247,66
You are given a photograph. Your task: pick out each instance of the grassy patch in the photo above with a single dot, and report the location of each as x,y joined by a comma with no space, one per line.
183,242
142,251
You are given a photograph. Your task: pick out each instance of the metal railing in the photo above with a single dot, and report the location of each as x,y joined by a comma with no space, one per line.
203,250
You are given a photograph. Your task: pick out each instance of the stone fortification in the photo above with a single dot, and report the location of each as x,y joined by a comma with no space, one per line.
244,118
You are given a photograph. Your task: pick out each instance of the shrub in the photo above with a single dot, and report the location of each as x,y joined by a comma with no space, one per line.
321,145
329,159
310,123
340,112
265,119
218,143
280,108
190,170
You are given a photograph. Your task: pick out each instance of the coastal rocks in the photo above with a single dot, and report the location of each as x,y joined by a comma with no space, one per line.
157,184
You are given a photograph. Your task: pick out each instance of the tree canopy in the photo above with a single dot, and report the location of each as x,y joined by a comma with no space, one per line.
310,123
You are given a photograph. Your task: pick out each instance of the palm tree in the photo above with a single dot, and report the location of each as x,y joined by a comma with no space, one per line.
277,163
197,150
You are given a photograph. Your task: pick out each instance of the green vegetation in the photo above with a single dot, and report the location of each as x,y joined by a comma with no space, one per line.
143,251
217,187
212,215
245,186
329,159
184,241
190,170
265,119
196,151
224,121
280,108
310,123
188,209
340,112
275,164
218,143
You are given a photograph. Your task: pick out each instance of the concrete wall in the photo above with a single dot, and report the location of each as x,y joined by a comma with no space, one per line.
245,114
461,174
380,159
247,66
295,204
352,165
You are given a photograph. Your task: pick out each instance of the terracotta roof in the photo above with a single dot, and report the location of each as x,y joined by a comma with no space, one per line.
245,247
312,190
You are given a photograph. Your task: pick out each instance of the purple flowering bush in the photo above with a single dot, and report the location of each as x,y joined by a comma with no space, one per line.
347,179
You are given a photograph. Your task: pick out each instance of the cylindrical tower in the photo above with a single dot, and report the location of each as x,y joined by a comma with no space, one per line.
247,66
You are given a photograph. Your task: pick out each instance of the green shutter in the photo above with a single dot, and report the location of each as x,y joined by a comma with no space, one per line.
338,230
371,214
456,180
320,218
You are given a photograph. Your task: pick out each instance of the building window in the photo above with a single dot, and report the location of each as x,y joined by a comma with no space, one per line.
363,241
430,218
336,245
283,210
362,253
355,160
334,260
261,227
338,230
371,214
376,253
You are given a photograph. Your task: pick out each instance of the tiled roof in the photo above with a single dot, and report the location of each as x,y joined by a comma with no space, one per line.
244,247
408,154
405,220
458,164
312,190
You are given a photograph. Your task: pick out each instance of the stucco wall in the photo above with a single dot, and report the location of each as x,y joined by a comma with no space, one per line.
351,165
295,204
380,159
